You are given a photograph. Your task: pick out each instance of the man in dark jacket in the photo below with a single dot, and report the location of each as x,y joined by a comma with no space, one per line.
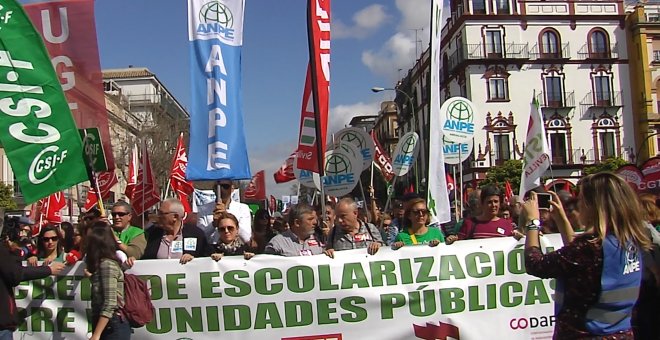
171,239
12,273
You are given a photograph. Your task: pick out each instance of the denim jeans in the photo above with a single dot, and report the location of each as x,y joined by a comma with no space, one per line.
6,334
117,329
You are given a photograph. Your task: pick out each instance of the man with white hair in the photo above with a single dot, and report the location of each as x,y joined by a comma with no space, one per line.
350,232
171,238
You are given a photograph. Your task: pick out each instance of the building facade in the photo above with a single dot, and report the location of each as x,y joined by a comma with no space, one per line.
643,28
571,57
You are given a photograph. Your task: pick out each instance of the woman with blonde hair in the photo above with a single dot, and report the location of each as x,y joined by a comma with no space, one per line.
415,227
599,272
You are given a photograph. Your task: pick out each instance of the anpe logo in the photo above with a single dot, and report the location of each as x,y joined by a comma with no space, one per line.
216,18
408,149
215,11
532,322
336,164
354,138
460,111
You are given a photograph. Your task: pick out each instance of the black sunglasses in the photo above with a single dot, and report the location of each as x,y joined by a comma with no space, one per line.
418,211
46,239
119,213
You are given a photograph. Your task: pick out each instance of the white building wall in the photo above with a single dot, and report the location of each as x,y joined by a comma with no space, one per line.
524,82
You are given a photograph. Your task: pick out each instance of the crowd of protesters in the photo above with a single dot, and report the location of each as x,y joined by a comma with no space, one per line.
603,219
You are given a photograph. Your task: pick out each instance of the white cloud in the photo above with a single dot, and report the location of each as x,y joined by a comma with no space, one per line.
397,53
402,49
341,115
364,22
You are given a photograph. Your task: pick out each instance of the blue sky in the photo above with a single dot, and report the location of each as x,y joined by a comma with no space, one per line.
371,41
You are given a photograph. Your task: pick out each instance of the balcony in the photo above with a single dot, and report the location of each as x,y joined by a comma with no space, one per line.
600,100
556,100
604,52
563,54
508,52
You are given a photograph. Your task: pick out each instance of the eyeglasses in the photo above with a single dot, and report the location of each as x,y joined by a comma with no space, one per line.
419,211
386,225
50,239
230,229
119,213
225,186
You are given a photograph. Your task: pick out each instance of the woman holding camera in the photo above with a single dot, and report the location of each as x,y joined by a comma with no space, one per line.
599,272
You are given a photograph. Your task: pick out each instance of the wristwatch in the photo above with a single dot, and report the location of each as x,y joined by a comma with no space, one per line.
533,225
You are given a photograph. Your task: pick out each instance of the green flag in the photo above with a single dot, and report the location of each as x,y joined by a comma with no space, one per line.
37,129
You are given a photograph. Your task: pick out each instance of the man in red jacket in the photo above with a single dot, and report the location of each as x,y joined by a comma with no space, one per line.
12,273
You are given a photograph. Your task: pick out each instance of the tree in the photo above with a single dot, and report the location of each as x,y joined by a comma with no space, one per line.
610,164
510,171
7,197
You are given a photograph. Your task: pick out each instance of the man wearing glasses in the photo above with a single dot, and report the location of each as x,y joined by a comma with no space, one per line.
238,209
129,239
171,239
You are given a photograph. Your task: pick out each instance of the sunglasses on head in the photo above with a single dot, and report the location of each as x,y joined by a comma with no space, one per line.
119,213
46,239
226,229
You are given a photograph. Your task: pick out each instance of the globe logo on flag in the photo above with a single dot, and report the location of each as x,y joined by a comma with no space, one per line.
409,144
460,110
215,11
353,138
337,164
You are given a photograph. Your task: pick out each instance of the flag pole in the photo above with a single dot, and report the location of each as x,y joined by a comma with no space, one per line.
456,211
143,146
91,175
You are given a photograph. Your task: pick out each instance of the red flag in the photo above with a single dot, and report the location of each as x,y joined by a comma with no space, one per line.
106,181
382,159
410,189
52,206
256,189
145,193
314,118
434,332
567,188
131,179
451,185
508,193
68,30
180,185
285,172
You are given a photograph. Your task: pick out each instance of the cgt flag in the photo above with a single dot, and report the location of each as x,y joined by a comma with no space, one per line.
316,96
382,159
217,139
256,189
37,130
536,159
180,185
69,32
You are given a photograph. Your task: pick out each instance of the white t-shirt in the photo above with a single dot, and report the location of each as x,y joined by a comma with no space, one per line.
238,209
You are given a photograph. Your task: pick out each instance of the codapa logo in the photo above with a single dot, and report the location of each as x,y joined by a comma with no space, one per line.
216,18
338,169
532,322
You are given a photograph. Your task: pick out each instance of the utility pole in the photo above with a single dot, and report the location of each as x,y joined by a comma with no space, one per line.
418,42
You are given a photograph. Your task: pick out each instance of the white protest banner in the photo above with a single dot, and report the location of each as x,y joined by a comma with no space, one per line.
476,289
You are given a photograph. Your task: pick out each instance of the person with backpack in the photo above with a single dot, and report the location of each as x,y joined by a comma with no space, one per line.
350,232
107,280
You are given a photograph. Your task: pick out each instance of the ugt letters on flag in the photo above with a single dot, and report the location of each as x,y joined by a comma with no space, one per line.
217,139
